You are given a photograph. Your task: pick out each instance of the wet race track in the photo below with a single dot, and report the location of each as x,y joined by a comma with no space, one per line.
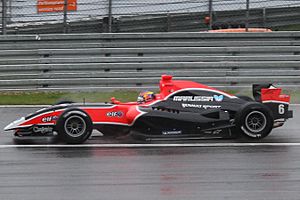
207,169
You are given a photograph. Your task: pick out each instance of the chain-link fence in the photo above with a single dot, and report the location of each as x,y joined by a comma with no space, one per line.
73,16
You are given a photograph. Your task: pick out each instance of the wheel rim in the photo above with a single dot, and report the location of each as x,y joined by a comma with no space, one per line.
75,126
255,121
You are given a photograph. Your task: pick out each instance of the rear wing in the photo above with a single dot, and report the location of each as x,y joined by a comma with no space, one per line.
268,92
271,96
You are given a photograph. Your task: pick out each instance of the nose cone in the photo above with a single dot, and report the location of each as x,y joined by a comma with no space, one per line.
14,124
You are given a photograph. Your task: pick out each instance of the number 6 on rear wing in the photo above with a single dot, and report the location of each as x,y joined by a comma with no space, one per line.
278,103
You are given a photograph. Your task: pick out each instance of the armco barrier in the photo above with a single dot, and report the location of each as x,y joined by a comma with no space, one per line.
114,61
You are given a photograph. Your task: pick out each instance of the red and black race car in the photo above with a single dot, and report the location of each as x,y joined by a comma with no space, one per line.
182,110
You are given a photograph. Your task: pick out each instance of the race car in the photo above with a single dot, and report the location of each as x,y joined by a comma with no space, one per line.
181,110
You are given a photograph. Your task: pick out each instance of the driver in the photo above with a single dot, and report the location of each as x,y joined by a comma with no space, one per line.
145,96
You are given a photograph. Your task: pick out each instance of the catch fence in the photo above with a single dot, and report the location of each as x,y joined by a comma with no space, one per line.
96,16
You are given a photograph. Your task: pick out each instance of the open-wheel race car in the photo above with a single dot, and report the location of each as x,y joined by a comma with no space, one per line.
181,110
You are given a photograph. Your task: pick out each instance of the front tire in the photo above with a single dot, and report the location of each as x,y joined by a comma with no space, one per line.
74,126
254,121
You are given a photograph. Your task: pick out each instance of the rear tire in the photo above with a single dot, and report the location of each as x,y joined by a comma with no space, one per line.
74,126
254,121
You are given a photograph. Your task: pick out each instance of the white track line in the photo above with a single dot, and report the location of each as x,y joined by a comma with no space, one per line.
149,145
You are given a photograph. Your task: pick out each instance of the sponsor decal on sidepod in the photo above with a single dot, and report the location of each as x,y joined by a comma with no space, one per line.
193,98
114,114
218,97
188,105
49,119
199,98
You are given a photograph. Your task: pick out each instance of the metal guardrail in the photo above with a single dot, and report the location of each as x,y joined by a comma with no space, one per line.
114,61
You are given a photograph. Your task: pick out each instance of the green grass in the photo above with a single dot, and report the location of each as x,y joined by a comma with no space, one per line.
39,98
12,98
42,98
287,28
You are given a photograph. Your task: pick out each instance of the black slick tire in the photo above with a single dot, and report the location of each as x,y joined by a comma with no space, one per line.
254,120
74,126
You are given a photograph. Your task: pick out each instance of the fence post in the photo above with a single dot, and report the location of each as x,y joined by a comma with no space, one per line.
264,18
109,16
65,30
247,14
169,22
4,16
210,11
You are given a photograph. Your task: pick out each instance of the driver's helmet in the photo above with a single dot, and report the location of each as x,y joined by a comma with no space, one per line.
145,96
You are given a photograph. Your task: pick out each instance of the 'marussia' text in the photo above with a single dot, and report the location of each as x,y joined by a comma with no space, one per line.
193,98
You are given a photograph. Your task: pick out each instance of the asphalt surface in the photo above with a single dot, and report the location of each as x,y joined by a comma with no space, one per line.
224,172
